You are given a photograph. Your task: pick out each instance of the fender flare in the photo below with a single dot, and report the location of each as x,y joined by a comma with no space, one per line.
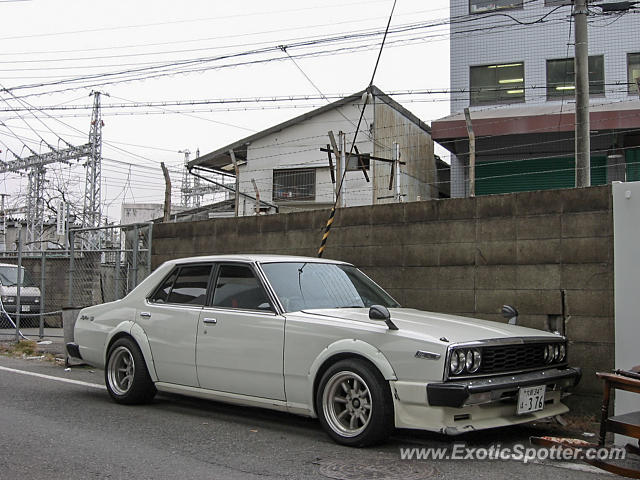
349,346
136,332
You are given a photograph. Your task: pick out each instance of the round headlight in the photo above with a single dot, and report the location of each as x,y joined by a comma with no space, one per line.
453,363
468,363
462,360
457,362
477,359
548,354
563,352
474,357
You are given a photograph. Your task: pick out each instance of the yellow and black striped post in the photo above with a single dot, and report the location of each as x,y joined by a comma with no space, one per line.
327,229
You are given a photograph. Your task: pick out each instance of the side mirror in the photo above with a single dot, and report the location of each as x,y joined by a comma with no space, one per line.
511,313
379,312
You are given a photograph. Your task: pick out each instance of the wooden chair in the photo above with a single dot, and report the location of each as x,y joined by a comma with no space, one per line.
627,424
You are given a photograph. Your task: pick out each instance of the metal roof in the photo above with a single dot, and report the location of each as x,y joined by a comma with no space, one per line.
250,257
220,158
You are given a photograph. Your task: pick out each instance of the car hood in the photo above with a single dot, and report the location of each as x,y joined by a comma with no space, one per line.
432,326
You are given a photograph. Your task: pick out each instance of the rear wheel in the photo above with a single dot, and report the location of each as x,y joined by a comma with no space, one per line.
354,403
126,374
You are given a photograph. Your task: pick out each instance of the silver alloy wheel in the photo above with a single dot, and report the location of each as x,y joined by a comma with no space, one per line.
346,403
121,369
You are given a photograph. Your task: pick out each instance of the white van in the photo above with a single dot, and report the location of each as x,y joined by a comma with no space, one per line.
29,295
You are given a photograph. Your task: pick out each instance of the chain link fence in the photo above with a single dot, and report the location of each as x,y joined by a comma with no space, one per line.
101,265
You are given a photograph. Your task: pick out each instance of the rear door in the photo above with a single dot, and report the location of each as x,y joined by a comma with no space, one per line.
170,320
240,337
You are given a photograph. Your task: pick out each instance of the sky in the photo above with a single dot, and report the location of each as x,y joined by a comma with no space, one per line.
56,53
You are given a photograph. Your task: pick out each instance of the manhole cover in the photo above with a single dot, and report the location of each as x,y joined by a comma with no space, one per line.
389,469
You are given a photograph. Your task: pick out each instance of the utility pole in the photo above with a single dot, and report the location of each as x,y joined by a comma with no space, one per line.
167,193
3,247
255,189
582,135
343,167
396,171
472,153
236,170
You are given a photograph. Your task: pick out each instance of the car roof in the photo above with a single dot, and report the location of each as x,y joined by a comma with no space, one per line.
8,265
250,257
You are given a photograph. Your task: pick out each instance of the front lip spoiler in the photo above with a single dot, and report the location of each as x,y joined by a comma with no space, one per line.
455,394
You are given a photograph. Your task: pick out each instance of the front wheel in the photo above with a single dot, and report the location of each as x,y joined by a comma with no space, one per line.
126,374
354,403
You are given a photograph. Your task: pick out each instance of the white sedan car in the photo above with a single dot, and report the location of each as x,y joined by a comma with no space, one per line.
319,338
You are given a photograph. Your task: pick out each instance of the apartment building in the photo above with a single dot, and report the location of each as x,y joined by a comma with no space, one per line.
512,65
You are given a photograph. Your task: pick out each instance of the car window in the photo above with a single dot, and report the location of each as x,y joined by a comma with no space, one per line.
311,285
162,293
190,287
238,287
9,277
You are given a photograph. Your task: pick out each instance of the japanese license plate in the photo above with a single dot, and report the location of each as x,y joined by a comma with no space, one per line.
25,308
530,399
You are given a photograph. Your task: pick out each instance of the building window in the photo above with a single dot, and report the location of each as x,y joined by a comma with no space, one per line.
561,77
633,63
497,83
294,184
479,6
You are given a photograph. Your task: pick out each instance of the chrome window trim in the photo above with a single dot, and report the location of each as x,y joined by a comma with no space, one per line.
211,308
173,305
500,342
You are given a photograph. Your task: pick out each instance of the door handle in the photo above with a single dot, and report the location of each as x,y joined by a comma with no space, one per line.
210,321
145,314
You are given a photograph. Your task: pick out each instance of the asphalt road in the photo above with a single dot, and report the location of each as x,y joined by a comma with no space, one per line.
58,430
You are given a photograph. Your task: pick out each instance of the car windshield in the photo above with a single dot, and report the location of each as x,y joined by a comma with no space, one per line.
311,285
9,277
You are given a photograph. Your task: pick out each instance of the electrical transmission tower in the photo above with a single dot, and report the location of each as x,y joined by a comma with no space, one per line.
191,189
35,164
185,188
92,211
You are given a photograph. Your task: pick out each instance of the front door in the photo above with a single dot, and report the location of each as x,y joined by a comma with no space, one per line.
240,337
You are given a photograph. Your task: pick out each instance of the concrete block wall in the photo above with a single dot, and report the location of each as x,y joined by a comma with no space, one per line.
549,253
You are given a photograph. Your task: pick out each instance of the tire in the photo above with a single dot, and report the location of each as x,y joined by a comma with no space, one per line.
126,375
354,403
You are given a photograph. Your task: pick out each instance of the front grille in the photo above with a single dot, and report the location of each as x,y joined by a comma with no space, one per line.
512,358
506,358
